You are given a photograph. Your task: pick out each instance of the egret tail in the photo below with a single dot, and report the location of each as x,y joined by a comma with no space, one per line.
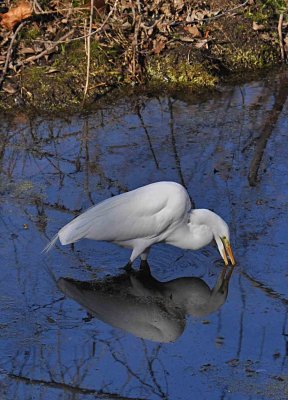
51,244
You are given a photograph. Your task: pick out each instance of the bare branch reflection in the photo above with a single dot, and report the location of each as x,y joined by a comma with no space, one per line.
269,123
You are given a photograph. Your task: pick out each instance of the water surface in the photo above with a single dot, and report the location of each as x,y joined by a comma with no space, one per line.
230,152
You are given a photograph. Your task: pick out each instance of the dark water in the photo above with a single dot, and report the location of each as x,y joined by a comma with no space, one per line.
231,153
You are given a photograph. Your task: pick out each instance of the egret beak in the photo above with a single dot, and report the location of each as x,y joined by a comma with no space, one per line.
224,257
227,250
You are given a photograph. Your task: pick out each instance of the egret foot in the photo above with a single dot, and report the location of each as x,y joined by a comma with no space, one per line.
144,267
128,267
88,317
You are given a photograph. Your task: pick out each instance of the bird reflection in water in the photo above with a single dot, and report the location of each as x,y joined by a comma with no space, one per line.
138,303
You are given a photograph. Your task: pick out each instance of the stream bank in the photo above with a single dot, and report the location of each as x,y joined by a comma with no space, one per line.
63,57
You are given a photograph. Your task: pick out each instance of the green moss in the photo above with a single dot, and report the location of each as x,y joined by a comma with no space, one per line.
251,58
276,5
266,10
167,70
64,86
73,58
33,33
48,91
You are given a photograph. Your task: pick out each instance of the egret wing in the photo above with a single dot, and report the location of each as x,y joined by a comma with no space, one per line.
144,212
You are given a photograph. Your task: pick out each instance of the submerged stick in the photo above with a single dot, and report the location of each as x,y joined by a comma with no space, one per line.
266,289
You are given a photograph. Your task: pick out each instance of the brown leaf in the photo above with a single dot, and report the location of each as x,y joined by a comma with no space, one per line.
52,71
178,5
10,88
26,50
265,36
16,14
159,44
195,16
193,30
51,29
202,44
258,27
166,9
186,39
99,4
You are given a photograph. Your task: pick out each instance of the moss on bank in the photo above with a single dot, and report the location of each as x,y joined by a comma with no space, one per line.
171,70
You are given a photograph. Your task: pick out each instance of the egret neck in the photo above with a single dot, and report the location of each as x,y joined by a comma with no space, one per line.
190,236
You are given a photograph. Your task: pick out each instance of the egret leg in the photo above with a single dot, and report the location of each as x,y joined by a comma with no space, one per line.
144,267
128,267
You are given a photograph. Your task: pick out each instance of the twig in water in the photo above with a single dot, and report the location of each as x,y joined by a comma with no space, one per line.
280,23
9,52
266,289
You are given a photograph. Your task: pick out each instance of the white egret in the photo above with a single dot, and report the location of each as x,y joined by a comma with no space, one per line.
156,213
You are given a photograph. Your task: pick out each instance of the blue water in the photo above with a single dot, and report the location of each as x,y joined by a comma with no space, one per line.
52,168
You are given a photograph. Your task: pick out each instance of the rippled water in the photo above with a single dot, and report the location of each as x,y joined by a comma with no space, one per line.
156,336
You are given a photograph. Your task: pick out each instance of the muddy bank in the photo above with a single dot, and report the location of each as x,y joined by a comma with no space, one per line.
61,57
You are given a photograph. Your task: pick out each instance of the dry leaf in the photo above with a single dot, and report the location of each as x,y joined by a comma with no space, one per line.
202,44
159,44
126,25
10,88
193,30
258,27
52,71
195,16
178,5
265,36
26,50
51,29
186,39
166,9
16,14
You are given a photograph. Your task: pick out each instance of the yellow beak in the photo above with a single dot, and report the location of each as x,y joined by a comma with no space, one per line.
227,250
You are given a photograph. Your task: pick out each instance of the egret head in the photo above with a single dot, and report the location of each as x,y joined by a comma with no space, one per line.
218,229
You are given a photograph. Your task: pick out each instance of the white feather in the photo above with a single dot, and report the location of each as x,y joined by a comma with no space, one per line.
50,244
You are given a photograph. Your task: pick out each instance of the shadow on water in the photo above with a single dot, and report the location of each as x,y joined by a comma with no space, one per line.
140,304
229,150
